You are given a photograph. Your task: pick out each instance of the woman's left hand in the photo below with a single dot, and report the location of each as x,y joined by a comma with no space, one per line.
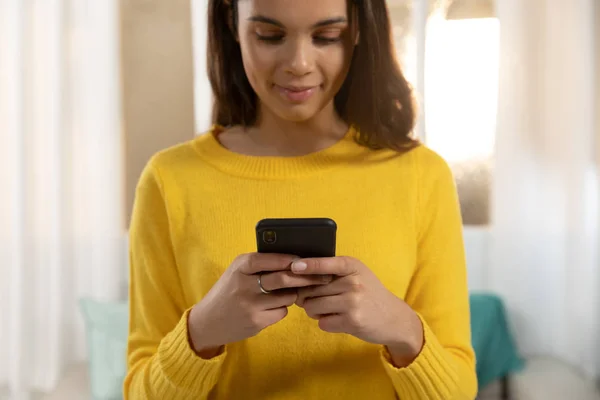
357,303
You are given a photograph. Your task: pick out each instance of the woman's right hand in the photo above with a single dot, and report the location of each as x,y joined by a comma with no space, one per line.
235,308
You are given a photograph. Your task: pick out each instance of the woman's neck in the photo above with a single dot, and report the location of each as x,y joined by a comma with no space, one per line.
273,136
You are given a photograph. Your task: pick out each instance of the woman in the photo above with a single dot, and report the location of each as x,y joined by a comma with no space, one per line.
312,118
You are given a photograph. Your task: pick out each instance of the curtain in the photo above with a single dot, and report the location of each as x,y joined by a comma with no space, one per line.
61,223
544,231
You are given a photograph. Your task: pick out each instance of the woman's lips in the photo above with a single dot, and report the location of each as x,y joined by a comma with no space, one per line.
297,94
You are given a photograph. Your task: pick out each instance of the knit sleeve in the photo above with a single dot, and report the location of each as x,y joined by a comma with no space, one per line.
438,293
160,361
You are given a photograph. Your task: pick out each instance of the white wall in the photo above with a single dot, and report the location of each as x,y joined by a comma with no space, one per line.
477,240
157,82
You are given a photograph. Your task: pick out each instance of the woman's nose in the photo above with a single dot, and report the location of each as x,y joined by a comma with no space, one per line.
300,57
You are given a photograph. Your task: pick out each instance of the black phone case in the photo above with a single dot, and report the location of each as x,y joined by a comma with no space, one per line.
302,237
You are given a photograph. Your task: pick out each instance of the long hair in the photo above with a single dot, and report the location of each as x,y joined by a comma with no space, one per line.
376,99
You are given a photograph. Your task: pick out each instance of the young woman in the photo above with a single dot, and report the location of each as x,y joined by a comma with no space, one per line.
313,118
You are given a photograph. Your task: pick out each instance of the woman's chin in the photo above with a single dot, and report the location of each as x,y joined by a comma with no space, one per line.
297,114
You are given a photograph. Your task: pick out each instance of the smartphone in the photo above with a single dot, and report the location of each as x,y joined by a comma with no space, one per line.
302,237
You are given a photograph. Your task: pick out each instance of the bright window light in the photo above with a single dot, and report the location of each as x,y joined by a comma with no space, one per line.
461,87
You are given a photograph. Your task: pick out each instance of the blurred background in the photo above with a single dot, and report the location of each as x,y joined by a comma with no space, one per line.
510,95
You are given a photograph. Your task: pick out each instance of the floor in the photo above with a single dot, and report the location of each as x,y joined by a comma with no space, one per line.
543,379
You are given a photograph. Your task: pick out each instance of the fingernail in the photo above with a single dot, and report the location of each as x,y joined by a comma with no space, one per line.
299,266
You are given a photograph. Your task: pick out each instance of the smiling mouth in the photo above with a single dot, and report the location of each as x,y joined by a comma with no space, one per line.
298,88
297,94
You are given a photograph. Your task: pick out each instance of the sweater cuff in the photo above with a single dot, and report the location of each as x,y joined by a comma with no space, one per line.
429,376
182,366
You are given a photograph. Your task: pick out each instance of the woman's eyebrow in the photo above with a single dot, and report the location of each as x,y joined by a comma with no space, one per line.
271,21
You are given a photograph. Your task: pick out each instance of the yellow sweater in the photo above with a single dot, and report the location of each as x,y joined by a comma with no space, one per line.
196,208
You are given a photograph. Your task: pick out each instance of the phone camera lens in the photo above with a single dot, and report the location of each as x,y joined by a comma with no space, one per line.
269,237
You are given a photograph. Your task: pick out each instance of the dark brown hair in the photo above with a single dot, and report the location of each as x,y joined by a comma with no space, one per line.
375,98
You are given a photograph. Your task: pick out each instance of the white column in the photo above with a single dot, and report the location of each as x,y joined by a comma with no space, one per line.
420,13
202,89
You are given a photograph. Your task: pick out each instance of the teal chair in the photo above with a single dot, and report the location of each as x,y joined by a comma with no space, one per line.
106,327
495,350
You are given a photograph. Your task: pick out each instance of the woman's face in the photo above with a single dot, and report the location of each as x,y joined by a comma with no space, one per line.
296,53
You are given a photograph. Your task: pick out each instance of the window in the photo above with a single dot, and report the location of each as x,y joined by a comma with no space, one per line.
461,91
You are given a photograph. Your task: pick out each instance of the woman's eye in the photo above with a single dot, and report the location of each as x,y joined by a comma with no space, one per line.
326,39
320,39
270,38
328,36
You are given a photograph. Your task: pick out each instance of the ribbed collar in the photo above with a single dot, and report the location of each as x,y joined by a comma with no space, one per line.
276,167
